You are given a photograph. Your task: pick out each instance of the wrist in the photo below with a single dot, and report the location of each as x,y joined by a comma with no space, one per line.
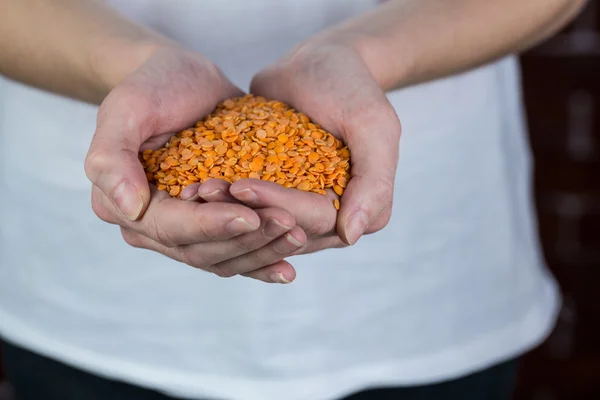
389,57
387,69
115,59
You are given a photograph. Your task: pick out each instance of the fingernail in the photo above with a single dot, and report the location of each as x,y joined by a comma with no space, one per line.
245,195
193,198
355,226
240,225
278,277
211,195
274,228
128,200
292,240
189,194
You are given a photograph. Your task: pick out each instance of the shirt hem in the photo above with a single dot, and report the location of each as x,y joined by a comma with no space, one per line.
512,341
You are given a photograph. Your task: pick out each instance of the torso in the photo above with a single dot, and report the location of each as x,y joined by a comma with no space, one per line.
453,283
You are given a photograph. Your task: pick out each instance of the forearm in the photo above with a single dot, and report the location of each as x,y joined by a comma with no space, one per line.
78,48
405,42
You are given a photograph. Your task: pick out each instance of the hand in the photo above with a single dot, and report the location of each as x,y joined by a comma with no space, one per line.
329,82
313,212
167,93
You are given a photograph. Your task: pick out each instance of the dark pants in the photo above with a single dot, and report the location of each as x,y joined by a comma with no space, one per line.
38,378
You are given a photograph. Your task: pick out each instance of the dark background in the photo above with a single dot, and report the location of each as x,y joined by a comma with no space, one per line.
562,95
561,80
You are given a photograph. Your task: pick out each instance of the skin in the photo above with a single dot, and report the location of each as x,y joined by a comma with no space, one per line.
164,95
339,78
149,87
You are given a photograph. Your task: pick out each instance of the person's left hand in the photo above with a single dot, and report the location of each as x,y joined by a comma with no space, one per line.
331,84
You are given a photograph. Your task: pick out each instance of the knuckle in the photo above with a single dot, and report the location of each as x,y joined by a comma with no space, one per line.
221,271
243,245
131,238
318,227
206,231
96,161
183,254
204,224
267,256
316,223
100,210
191,256
153,229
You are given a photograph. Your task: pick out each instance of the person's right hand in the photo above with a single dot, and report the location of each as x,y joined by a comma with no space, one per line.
169,92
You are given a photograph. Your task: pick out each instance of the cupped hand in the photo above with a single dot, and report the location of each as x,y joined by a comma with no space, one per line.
169,92
314,213
328,81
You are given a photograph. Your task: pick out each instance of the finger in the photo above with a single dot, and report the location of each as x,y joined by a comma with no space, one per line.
137,240
190,192
127,118
313,212
274,223
367,200
213,190
112,165
216,190
322,243
132,114
279,272
172,222
280,248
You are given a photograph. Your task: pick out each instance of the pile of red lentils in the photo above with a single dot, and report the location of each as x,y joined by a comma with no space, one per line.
251,137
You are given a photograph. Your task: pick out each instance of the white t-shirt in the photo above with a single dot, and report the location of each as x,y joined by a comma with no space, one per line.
455,282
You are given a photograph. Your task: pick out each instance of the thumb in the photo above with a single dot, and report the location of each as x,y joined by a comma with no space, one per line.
366,204
113,166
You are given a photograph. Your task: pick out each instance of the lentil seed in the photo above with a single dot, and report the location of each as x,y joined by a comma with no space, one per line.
251,137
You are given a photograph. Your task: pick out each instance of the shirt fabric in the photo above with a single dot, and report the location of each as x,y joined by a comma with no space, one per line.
455,283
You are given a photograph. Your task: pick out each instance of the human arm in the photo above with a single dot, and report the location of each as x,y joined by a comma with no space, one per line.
148,88
404,42
340,75
77,48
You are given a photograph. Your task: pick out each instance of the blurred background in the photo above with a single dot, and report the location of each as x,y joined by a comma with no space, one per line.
561,80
